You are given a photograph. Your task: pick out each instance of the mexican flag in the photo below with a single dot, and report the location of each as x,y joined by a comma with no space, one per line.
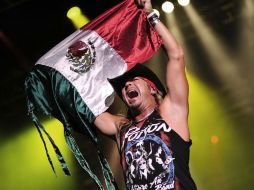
70,81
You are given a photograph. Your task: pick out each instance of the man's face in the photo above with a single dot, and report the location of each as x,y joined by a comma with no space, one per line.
136,92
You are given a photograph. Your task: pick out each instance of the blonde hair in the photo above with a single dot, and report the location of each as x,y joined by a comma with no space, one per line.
158,97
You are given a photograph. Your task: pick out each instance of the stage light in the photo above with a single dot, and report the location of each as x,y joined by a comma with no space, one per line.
214,139
73,12
77,17
227,73
183,2
156,11
167,7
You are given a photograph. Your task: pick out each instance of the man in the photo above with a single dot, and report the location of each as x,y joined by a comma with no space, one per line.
154,141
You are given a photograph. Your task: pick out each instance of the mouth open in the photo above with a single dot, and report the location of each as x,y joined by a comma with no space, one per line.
132,94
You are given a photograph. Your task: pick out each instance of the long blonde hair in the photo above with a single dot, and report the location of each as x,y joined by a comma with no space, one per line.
158,97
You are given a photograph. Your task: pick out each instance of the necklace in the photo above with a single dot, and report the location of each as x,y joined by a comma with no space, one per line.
144,118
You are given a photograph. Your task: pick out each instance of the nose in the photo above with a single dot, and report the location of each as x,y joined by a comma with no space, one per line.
127,84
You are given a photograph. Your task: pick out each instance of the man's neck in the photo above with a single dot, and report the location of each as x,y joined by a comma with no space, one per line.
142,114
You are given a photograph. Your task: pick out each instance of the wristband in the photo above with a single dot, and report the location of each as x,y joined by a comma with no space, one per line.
153,18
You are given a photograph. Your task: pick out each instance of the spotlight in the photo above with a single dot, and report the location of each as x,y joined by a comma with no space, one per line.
167,7
184,2
156,11
214,139
77,17
73,12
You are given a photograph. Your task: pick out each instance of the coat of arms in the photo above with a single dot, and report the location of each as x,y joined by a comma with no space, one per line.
81,55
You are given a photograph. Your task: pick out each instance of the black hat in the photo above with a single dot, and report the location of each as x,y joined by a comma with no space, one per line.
138,70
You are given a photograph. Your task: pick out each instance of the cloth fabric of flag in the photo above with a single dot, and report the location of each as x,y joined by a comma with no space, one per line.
70,81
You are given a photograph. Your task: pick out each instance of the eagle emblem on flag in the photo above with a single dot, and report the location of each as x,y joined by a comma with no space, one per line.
81,55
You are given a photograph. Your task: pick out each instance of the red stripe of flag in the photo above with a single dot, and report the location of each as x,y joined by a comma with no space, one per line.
127,30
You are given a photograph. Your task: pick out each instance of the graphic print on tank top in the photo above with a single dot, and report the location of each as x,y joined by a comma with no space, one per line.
149,163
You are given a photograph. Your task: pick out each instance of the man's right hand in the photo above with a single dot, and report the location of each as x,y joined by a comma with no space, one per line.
146,4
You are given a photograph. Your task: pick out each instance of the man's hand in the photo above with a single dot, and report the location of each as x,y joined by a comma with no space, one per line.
146,4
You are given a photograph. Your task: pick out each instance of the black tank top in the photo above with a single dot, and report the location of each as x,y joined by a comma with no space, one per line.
154,156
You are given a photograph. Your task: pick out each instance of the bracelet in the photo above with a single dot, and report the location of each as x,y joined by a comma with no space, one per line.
153,18
151,13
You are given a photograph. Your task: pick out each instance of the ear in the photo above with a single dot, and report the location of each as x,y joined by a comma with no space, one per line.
153,91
